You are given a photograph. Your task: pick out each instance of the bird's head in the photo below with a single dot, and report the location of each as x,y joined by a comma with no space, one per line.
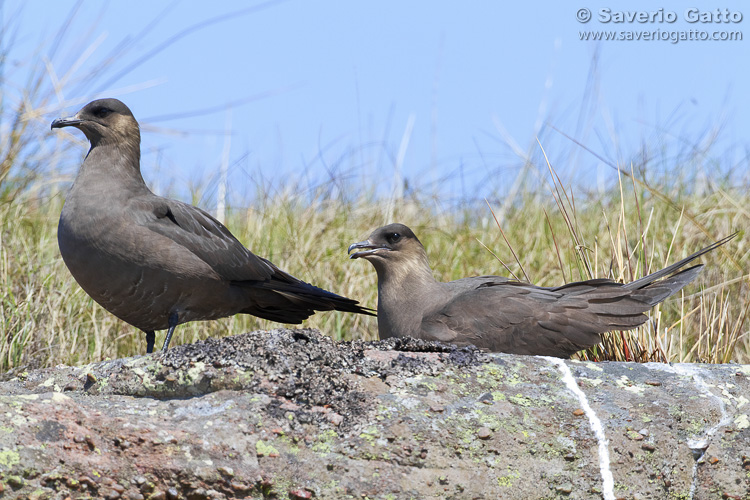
104,121
392,248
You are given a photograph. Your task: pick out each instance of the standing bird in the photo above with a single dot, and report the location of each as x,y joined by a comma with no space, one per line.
154,262
503,315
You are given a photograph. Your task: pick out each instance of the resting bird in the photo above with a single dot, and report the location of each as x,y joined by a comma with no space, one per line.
503,315
154,262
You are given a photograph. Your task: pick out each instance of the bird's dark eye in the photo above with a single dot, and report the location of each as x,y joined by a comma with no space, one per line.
393,237
102,112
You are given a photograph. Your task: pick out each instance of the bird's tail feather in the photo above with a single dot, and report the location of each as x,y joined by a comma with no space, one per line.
657,291
647,280
603,305
306,297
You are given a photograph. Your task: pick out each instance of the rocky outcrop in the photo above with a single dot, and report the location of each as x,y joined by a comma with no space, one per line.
292,414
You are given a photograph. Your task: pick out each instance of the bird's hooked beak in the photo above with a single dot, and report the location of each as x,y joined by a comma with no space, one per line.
66,122
369,249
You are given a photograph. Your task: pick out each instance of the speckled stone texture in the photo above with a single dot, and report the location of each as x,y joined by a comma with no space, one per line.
290,414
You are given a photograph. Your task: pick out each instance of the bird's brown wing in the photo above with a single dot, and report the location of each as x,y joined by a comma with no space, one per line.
524,319
201,234
196,231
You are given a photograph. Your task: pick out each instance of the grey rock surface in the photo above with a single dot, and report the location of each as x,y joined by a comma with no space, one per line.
291,414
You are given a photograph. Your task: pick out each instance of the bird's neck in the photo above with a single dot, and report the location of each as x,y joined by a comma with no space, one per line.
118,164
404,287
409,273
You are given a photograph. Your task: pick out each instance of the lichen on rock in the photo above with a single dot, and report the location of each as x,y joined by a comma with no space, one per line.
292,414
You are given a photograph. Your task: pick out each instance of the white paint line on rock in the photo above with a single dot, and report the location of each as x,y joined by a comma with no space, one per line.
693,372
608,482
697,444
703,387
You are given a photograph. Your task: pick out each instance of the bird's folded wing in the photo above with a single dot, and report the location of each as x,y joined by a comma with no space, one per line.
199,233
517,318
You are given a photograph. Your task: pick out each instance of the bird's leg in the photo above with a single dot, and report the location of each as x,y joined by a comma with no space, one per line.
173,320
150,338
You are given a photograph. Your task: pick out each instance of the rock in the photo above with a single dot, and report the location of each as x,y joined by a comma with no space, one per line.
484,433
225,471
300,494
15,482
290,413
565,489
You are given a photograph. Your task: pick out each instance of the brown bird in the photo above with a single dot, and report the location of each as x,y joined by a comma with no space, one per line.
154,262
503,315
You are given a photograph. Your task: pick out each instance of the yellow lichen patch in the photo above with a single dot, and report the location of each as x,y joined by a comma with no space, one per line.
625,383
520,400
265,450
195,371
29,397
742,422
9,458
588,364
59,397
592,381
507,480
324,443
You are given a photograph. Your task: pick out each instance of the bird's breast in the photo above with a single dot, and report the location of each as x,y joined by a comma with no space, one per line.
139,277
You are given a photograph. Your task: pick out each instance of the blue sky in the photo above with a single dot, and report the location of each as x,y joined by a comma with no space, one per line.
313,90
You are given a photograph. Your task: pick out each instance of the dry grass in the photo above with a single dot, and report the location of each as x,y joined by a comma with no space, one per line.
48,319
